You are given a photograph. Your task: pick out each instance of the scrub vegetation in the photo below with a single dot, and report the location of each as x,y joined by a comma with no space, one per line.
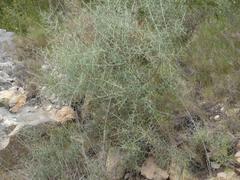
147,77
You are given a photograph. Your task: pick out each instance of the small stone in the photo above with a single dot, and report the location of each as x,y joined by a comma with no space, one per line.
215,165
15,98
48,108
65,114
237,155
238,160
17,102
5,96
216,117
44,88
127,176
150,170
222,176
45,67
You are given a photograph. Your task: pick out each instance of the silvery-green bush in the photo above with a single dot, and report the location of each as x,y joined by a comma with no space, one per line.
122,55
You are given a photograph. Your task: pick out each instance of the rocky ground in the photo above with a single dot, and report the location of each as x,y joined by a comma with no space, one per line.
16,112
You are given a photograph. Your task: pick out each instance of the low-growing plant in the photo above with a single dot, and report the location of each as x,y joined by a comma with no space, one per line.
215,147
60,152
53,152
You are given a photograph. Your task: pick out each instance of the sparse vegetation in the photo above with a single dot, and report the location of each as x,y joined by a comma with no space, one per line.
53,152
217,37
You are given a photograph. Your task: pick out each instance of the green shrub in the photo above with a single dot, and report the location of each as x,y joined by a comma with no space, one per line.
121,55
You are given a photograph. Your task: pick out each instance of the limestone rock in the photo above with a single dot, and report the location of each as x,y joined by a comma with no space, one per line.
14,98
65,114
215,165
115,164
217,117
222,175
49,107
17,102
11,123
151,171
5,96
